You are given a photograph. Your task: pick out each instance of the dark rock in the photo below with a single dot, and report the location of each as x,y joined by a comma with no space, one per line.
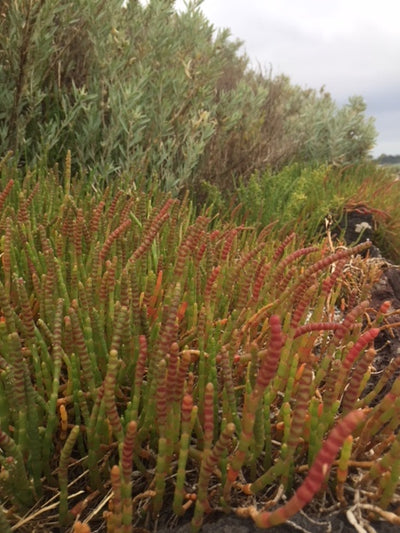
357,225
387,343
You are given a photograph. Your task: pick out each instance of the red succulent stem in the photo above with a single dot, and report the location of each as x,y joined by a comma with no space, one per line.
330,281
281,248
189,244
278,274
316,326
113,206
209,284
349,321
208,415
208,464
353,390
259,280
96,216
266,372
228,244
302,305
152,231
270,361
172,371
303,281
112,237
184,362
127,452
110,383
5,192
315,478
362,342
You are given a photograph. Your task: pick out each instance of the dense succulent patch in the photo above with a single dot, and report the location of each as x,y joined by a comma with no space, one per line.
155,361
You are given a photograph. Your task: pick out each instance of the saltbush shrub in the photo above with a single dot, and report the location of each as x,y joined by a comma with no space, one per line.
145,90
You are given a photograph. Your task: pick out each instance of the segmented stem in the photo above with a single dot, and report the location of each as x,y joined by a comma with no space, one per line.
315,476
63,473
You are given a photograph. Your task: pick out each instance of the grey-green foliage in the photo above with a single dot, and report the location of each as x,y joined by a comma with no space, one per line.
149,92
121,87
330,134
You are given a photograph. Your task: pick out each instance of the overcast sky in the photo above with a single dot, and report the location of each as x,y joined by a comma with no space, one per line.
352,47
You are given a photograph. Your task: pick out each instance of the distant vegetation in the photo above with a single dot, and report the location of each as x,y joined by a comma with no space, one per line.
388,159
307,197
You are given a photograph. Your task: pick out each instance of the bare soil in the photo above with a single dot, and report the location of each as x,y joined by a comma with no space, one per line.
334,523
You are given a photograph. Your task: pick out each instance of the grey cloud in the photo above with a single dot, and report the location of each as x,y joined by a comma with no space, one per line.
351,48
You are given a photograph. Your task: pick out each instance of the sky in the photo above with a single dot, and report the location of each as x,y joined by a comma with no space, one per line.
351,47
